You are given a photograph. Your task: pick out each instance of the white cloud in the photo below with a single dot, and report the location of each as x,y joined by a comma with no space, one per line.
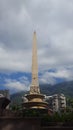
15,85
46,79
62,73
53,22
15,60
50,77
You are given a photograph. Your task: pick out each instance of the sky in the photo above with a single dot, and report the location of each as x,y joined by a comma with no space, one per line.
53,22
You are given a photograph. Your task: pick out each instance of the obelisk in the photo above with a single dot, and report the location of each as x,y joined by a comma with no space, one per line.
35,100
34,89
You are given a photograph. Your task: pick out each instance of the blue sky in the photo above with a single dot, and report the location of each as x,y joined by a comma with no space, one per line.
53,22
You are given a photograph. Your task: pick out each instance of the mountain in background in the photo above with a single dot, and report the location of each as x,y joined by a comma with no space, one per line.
65,88
47,89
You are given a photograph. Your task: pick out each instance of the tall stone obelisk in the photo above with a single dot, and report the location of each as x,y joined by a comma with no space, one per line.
35,100
34,89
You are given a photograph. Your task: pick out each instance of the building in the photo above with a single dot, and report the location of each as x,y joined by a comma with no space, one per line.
56,102
62,102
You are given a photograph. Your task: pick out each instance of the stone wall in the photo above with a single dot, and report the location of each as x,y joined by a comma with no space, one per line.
19,124
30,124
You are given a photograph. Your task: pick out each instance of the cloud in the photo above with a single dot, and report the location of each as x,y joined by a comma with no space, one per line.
14,61
62,73
51,76
53,22
17,85
46,78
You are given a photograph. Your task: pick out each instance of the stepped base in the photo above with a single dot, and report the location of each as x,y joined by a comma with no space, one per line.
35,101
41,105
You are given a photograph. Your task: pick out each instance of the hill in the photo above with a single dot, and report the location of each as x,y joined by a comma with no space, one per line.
65,88
47,89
